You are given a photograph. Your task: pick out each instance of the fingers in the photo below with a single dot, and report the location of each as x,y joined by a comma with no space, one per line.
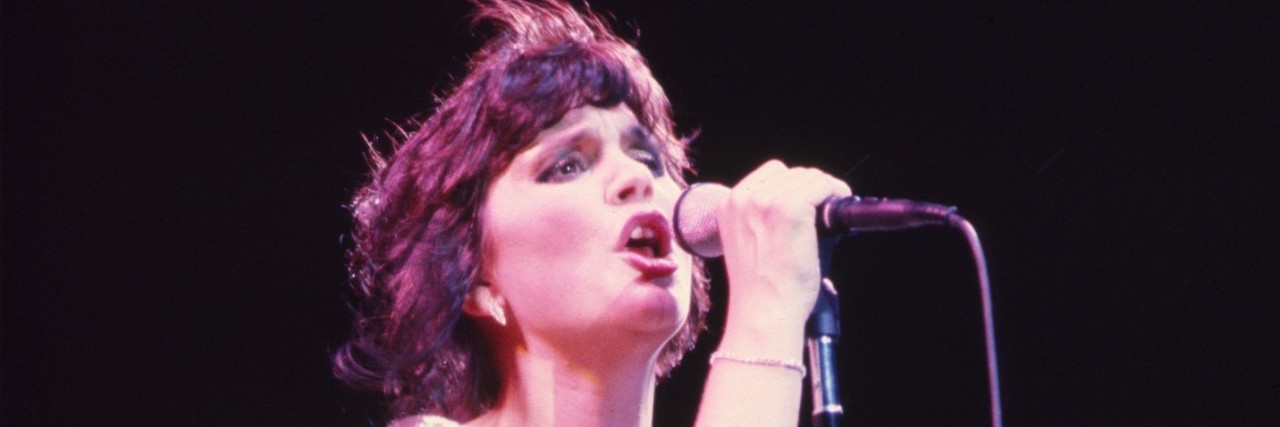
770,242
763,176
776,185
814,186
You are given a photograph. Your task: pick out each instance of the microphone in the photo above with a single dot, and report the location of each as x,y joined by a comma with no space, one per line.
698,230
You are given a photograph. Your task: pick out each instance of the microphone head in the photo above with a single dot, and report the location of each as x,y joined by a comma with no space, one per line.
697,230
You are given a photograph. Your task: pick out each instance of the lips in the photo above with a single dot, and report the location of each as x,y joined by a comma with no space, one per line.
646,244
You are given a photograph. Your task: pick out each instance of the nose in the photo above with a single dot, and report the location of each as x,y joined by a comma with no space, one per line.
632,181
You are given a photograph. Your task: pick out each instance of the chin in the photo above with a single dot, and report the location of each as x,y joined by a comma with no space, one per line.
648,309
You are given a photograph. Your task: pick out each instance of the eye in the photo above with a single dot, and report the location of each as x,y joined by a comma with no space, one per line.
645,153
566,167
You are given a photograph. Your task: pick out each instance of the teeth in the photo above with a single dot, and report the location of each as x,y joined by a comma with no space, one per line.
643,233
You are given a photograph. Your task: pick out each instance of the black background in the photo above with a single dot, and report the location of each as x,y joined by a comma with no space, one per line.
174,175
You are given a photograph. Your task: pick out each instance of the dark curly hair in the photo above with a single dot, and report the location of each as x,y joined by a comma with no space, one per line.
417,239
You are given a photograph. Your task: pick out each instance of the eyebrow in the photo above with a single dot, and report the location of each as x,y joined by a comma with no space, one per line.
635,132
564,141
640,134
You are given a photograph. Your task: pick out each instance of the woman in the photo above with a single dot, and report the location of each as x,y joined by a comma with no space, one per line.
514,255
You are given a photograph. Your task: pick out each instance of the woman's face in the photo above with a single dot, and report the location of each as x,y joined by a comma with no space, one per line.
578,234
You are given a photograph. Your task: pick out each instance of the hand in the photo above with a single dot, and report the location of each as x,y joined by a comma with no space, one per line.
770,244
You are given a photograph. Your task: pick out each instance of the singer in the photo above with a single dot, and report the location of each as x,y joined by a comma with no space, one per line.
514,258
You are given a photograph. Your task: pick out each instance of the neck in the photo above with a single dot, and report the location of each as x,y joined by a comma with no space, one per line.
547,387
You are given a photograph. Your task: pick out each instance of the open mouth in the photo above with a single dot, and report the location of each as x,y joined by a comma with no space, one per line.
648,234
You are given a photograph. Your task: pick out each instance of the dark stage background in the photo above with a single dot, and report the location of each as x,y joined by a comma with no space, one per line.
174,175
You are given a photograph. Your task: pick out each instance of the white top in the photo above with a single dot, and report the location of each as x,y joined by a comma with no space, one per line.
424,421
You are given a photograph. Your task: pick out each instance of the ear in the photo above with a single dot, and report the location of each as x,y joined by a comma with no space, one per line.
484,301
478,300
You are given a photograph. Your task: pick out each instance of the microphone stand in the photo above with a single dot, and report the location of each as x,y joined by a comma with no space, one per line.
822,331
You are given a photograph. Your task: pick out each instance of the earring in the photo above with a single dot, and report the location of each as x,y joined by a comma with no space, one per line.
495,310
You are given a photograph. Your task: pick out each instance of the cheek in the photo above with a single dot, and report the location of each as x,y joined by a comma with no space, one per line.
550,227
536,236
666,192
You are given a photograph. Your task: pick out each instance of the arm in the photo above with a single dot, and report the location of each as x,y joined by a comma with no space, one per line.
771,254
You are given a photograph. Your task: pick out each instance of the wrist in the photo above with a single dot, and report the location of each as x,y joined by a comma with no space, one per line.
764,333
771,298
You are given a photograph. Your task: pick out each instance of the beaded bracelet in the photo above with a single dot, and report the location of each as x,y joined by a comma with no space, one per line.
791,364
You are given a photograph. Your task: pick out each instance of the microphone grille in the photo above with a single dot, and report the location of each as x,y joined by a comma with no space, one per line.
697,229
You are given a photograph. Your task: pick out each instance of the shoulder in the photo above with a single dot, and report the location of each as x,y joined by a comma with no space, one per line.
424,421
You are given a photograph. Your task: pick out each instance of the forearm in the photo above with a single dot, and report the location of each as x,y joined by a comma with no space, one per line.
771,256
765,393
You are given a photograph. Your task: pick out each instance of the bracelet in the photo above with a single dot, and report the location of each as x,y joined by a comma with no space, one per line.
791,364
